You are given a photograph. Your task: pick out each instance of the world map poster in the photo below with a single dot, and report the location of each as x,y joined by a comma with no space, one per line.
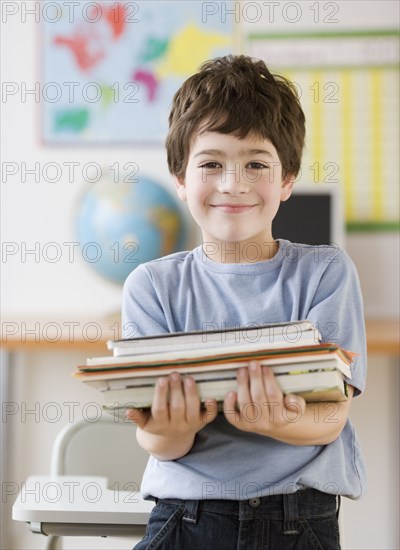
110,69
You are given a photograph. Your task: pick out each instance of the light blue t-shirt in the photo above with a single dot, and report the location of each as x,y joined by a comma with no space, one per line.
188,291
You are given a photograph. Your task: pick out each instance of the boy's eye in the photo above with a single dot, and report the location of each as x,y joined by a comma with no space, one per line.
256,166
210,165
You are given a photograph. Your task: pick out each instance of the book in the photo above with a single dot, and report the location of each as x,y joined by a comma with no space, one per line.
279,364
303,365
326,385
197,359
291,333
193,344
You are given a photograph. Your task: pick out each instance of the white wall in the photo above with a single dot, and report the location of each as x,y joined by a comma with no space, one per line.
42,212
372,523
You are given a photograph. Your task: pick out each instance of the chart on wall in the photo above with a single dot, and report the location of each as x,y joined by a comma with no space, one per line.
349,89
110,69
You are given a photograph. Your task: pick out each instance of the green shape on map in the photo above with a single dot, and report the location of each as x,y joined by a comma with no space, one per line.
74,120
107,95
154,48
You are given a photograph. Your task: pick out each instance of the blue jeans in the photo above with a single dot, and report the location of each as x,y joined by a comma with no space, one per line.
306,520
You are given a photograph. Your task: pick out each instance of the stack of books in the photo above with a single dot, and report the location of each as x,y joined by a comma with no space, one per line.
294,352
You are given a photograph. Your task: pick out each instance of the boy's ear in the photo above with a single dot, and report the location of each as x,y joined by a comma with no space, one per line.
287,187
180,187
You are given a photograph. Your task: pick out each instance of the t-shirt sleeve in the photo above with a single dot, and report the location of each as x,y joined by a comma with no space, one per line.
142,314
337,309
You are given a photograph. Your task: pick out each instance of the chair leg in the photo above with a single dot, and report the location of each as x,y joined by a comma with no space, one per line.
341,529
54,543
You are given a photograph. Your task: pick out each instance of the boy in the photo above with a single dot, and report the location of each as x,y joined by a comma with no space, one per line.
268,472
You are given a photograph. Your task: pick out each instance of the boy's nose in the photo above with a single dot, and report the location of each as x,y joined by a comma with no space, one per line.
233,180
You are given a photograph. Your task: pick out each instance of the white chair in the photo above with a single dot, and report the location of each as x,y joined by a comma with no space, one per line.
94,485
93,489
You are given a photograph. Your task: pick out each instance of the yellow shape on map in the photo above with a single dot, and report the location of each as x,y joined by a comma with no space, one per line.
188,49
169,224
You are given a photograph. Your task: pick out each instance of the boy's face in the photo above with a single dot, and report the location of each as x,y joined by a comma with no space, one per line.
233,188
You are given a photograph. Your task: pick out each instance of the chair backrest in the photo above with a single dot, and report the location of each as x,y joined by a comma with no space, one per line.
107,447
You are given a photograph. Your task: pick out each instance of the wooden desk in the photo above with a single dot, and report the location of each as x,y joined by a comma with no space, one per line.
60,334
383,335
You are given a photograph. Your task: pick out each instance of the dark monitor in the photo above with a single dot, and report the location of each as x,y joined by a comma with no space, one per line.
312,215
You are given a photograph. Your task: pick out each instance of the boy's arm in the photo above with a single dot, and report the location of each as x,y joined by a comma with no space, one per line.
167,431
263,409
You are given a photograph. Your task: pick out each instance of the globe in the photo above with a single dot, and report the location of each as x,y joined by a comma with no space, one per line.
122,225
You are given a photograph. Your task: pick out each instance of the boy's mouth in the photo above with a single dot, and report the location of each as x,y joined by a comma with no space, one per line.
233,208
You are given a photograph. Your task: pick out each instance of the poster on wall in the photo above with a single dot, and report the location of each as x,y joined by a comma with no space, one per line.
348,83
110,69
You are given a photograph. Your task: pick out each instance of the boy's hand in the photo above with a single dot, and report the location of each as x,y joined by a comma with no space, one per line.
175,416
263,408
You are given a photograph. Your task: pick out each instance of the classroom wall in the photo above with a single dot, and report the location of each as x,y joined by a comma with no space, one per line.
38,290
36,214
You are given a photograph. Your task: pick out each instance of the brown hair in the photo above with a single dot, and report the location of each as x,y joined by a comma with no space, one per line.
236,95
